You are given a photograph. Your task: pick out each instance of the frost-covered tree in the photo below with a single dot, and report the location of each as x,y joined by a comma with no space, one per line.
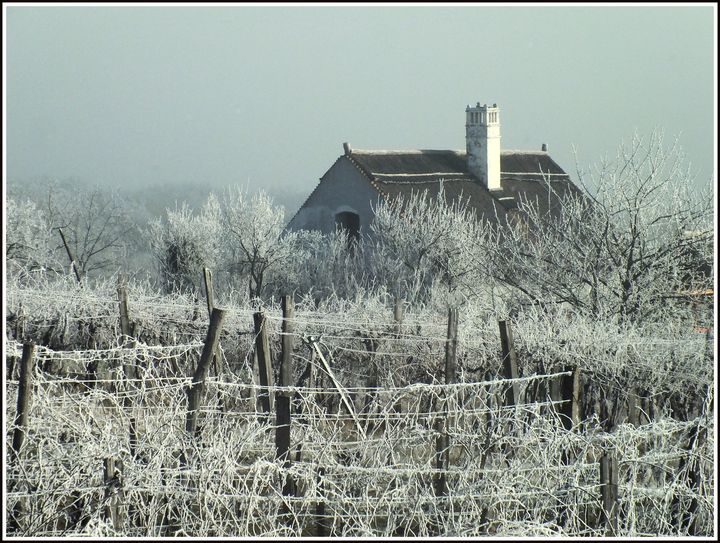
256,245
184,243
95,224
27,243
424,240
633,240
324,266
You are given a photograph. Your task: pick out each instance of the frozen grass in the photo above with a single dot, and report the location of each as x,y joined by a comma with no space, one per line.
512,471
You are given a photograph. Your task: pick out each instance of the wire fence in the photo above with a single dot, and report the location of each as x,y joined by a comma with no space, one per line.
107,453
594,431
665,362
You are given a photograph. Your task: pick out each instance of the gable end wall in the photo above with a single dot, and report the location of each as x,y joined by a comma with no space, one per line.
342,188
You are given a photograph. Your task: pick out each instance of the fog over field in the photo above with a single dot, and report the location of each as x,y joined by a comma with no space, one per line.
264,96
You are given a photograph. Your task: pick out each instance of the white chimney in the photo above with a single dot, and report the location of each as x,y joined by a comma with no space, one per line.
482,142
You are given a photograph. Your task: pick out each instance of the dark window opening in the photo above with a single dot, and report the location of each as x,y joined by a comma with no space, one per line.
350,223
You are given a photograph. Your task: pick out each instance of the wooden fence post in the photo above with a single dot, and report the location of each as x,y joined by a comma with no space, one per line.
210,298
21,422
262,349
451,347
24,397
555,389
128,369
570,390
195,391
112,477
209,291
263,363
632,408
398,317
609,492
125,327
282,398
510,363
442,445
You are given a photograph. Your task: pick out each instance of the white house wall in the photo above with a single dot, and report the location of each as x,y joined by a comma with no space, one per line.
342,188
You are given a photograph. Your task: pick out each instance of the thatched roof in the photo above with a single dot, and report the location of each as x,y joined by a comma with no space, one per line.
527,174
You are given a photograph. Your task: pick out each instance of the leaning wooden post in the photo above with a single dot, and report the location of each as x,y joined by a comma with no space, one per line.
22,414
510,363
262,349
210,298
442,447
70,256
195,391
209,291
609,492
282,398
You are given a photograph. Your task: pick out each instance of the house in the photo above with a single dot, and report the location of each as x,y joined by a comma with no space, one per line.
489,178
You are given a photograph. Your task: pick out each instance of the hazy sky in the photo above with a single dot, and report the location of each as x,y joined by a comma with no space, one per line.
226,94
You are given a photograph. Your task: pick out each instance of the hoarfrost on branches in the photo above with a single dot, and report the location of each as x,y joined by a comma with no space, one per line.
27,237
420,241
257,245
626,248
185,243
96,225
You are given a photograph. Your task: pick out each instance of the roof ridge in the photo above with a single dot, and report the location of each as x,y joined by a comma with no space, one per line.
438,151
404,151
523,151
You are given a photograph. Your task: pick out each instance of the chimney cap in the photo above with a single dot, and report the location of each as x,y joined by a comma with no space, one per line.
347,148
544,147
